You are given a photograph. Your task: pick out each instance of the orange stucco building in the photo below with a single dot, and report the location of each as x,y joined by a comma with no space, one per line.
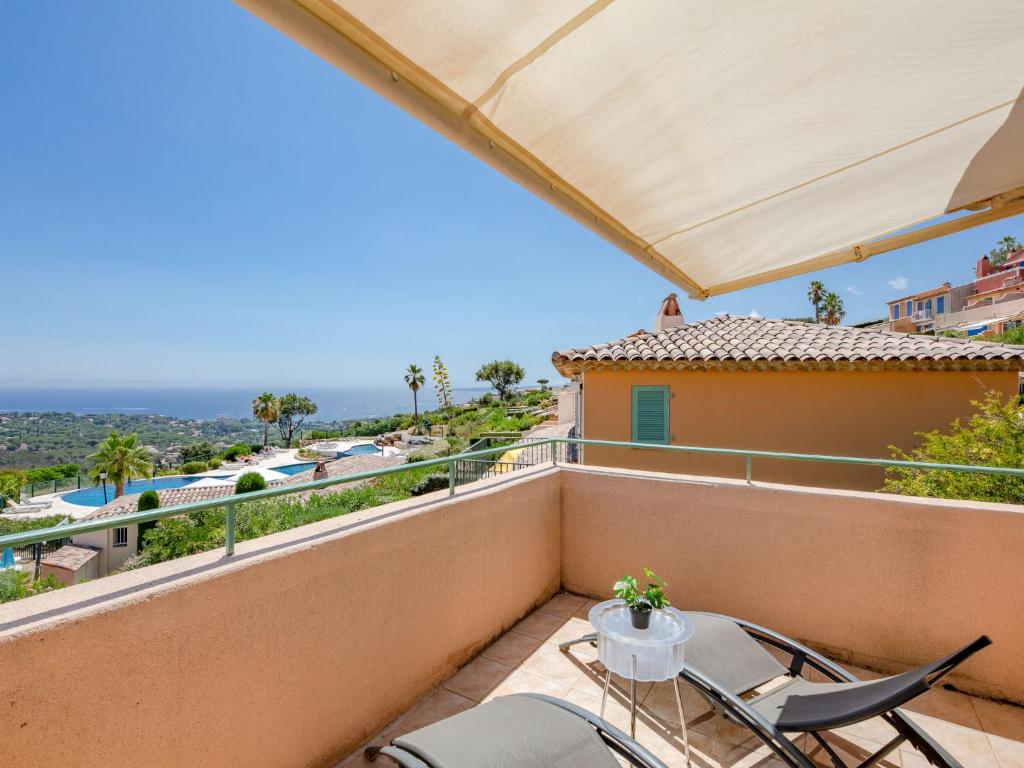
746,383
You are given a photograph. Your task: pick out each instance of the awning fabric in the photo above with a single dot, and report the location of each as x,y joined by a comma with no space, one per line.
723,144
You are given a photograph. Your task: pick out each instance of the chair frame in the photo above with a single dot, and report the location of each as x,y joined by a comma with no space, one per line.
740,711
615,739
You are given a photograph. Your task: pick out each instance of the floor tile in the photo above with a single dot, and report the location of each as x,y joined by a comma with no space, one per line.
1004,720
971,747
547,661
563,604
522,681
1009,752
511,648
539,625
478,678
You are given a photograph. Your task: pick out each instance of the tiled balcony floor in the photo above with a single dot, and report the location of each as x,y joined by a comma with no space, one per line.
978,732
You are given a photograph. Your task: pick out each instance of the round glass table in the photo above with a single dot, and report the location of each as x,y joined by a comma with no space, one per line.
645,655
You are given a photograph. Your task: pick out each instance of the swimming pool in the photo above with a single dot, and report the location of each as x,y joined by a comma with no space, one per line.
93,497
294,469
360,449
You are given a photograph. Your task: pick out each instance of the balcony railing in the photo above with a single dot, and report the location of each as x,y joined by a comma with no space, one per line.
553,449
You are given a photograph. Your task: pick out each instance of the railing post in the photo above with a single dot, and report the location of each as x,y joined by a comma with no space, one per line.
554,453
750,460
451,478
229,535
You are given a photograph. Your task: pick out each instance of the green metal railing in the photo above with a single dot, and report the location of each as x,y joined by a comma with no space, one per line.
553,455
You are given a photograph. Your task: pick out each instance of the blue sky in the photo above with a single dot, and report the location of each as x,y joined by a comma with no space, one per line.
187,197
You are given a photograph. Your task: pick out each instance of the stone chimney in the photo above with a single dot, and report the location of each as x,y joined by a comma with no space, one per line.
984,267
669,314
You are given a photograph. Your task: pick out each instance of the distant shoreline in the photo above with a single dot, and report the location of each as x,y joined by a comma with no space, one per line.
212,404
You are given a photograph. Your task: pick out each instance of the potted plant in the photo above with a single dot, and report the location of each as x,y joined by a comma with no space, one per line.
641,603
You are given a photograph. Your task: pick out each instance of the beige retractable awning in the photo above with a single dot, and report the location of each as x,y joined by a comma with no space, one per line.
723,144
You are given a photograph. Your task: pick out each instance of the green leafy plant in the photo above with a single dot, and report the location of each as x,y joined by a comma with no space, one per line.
249,482
149,500
993,437
15,585
193,467
292,410
653,594
266,408
443,387
434,482
122,458
239,449
503,375
214,463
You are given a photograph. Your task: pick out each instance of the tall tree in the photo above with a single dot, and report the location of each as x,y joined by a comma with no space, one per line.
266,408
443,386
415,379
122,458
503,376
292,409
1004,248
834,309
815,295
543,384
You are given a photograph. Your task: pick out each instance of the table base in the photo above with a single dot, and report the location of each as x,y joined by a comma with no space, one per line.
592,638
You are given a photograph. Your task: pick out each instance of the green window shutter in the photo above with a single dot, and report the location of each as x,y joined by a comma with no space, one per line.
650,415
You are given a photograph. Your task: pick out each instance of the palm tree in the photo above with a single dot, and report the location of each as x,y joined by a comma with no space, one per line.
414,378
1006,247
815,294
122,459
266,408
834,309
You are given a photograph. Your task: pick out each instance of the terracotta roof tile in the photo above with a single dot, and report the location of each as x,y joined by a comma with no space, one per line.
746,343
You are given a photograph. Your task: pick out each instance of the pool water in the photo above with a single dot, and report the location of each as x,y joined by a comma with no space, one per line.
363,449
93,497
294,469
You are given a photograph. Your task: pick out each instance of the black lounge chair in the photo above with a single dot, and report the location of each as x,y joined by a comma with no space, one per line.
726,659
527,730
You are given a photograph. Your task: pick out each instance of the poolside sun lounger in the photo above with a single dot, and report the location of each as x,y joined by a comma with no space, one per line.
726,660
521,731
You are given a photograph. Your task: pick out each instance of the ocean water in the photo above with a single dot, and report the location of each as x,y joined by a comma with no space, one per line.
334,404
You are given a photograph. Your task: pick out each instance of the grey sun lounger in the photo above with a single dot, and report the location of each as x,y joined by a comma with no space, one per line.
726,659
525,730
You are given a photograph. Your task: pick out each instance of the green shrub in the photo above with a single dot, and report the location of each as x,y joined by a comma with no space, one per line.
149,500
993,437
436,450
197,451
15,585
192,467
249,482
11,482
56,472
239,449
214,463
430,483
8,527
536,398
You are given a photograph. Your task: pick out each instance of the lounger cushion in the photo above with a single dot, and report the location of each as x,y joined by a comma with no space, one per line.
510,732
723,652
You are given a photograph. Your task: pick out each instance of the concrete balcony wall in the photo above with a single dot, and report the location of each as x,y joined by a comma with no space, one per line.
309,641
290,654
882,581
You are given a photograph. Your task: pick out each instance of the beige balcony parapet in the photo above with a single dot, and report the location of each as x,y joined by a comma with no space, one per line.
309,642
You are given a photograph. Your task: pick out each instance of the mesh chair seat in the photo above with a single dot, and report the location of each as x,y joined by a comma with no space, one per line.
510,732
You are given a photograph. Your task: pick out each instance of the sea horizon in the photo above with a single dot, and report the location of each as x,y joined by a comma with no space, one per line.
335,404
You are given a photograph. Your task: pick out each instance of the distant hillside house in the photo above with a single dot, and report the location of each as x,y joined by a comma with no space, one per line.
741,382
993,303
